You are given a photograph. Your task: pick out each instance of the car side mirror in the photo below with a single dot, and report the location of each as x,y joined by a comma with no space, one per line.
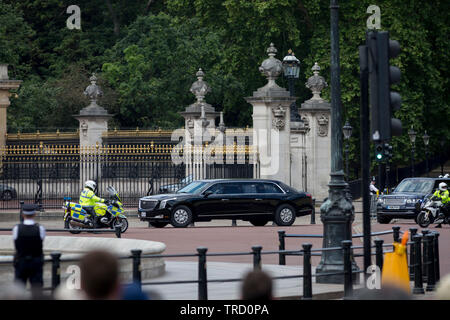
208,193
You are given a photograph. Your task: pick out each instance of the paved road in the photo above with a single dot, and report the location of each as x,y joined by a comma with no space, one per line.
220,236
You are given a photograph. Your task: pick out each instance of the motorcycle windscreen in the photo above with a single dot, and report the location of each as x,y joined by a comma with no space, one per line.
77,211
113,193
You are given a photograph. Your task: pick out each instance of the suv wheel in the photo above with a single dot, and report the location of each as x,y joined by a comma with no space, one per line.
181,217
284,215
383,220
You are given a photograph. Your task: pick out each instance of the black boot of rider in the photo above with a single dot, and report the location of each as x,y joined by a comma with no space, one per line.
96,223
439,225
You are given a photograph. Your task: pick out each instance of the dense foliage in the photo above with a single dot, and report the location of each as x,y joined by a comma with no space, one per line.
146,53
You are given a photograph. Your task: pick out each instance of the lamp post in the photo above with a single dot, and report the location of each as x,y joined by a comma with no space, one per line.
291,71
412,137
442,142
426,141
347,129
337,212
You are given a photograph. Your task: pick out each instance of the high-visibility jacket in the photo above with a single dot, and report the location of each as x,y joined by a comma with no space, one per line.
444,195
88,198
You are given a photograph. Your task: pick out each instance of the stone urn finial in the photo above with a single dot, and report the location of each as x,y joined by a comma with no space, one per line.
316,83
271,68
93,91
200,88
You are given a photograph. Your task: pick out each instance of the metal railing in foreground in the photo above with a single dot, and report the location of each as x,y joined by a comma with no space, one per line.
423,257
430,262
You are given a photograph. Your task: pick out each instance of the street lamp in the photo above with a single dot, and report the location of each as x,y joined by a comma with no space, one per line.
426,141
291,71
412,137
347,129
442,142
337,211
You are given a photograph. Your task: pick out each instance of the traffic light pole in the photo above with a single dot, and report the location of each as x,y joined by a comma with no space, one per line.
365,152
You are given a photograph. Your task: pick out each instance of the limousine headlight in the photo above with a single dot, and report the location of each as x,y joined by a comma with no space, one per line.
411,201
381,200
163,203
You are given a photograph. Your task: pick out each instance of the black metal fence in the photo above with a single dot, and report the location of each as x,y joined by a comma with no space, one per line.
423,258
423,262
46,174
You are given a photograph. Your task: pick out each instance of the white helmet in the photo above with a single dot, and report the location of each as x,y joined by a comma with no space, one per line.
90,184
442,186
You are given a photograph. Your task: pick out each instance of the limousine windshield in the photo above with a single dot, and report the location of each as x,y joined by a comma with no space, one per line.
193,187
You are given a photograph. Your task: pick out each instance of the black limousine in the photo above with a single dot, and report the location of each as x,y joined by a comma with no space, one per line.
258,201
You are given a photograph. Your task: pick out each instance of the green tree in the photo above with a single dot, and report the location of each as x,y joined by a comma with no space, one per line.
15,40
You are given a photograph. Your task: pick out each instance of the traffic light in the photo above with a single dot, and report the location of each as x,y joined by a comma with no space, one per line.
387,151
383,101
379,152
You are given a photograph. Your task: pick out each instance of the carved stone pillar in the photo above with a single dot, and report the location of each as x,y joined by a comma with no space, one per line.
316,114
271,122
5,86
93,123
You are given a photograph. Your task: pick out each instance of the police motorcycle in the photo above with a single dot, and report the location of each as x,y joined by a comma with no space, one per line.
430,212
110,214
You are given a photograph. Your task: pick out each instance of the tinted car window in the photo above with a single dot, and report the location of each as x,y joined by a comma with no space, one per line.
250,187
226,188
269,188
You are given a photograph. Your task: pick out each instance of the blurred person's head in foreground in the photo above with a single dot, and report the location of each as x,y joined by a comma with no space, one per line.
443,288
15,290
257,285
100,275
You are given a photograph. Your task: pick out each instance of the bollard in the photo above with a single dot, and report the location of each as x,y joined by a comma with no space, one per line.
118,231
424,255
379,253
256,257
396,233
348,283
418,280
412,233
56,274
436,257
307,274
136,255
202,279
313,212
21,211
429,242
281,247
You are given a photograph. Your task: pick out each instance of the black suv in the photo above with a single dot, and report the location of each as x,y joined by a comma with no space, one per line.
257,201
404,202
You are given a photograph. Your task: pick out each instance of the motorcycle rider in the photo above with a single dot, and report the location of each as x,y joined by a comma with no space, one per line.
88,198
443,195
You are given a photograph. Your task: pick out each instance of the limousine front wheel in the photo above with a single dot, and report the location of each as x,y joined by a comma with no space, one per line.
285,215
181,217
